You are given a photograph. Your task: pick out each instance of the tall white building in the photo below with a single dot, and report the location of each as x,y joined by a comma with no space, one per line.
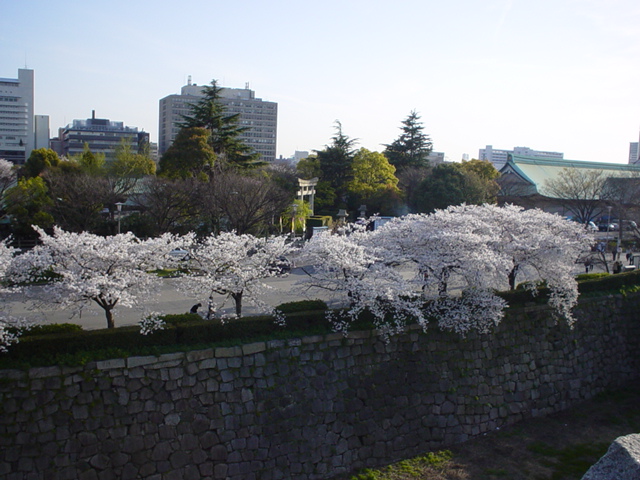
17,125
499,157
258,116
633,152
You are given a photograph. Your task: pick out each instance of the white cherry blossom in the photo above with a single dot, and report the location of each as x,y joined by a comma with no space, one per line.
113,271
234,266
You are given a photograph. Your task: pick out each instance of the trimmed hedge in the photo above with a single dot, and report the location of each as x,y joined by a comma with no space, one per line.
180,332
52,329
591,276
302,306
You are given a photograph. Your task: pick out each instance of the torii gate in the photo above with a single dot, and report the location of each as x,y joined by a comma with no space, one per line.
307,189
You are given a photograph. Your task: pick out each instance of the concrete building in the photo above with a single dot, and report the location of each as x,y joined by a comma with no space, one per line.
17,124
258,116
436,158
499,157
42,133
101,134
634,152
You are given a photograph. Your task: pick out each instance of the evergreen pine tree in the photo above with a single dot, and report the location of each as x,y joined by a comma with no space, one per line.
224,131
412,147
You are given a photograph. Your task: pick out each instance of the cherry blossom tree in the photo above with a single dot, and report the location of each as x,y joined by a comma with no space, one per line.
108,271
453,263
10,327
351,267
446,266
7,175
234,266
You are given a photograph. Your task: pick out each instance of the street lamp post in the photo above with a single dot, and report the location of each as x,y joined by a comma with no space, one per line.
119,207
609,207
294,209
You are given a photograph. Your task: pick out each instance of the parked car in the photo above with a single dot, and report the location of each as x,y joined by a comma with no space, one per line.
608,227
592,227
281,266
179,254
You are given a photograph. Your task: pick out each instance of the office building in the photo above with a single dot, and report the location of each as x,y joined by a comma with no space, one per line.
259,117
17,129
101,135
634,153
499,157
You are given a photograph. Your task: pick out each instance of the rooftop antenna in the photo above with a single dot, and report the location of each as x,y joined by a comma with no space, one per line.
189,80
246,85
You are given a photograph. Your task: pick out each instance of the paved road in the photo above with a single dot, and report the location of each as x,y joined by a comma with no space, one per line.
169,301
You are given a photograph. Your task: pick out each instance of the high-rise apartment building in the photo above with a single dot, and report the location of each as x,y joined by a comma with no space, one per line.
17,126
101,135
499,157
258,116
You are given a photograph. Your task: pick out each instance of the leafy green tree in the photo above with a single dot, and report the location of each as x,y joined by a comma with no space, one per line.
26,205
302,212
224,131
481,184
91,163
412,147
40,160
443,187
308,168
129,164
471,182
374,182
190,155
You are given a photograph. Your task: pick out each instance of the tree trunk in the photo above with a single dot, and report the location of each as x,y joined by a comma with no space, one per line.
109,314
238,299
512,278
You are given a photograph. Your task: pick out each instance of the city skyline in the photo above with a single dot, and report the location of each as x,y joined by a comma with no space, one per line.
558,76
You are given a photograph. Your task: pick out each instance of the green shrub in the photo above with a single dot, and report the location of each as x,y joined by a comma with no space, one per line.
617,282
52,329
182,318
591,276
302,306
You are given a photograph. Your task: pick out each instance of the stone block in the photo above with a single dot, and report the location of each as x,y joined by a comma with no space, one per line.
621,462
227,352
110,364
140,361
253,348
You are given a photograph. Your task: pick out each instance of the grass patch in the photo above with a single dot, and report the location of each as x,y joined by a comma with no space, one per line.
569,462
432,463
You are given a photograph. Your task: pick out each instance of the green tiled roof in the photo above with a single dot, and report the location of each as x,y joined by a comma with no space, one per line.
537,171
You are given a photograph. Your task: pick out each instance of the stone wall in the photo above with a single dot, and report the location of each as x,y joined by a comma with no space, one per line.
309,408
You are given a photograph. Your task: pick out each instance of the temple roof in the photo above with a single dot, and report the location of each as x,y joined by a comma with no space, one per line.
536,171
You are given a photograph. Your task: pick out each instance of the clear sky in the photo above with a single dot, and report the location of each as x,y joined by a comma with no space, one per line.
557,75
